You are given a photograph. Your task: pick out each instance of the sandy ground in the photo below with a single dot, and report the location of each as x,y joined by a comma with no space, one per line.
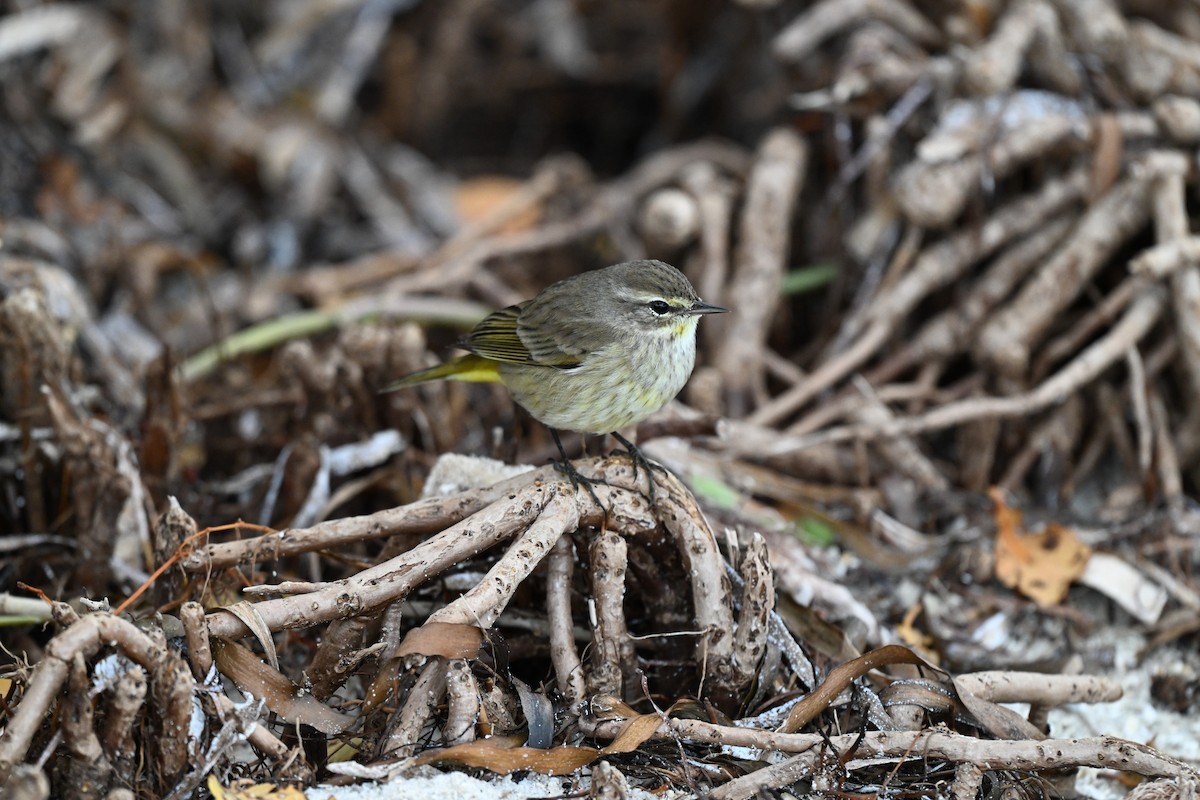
433,785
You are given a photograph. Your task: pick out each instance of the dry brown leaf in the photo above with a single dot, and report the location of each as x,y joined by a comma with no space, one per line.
282,696
842,676
447,639
1040,566
1107,155
636,731
478,198
914,638
503,754
1001,722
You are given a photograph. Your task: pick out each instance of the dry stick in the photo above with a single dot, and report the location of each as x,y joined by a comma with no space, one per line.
714,195
849,402
195,630
609,205
1101,751
938,266
875,157
337,656
417,709
484,602
902,453
1029,755
397,577
1139,401
711,601
1166,258
669,219
568,669
968,779
1060,430
169,678
1107,413
87,764
1136,323
948,260
613,661
759,263
1006,340
1151,66
1178,117
951,332
422,517
753,622
893,260
755,479
1113,406
1023,755
1184,51
607,783
1003,686
1051,61
934,194
829,17
1095,26
462,702
121,718
978,442
778,633
1170,481
993,67
1088,325
1171,225
782,369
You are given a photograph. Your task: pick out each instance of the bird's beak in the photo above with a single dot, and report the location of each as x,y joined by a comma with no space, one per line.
700,307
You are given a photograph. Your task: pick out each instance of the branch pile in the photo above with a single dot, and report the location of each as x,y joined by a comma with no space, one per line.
224,229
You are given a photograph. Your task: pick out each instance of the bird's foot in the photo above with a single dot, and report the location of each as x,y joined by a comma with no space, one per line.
640,461
577,479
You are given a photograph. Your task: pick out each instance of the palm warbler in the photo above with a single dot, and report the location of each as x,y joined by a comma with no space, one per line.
593,353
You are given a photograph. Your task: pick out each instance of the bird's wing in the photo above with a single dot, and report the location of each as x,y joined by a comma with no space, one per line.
496,338
534,333
562,349
502,337
560,328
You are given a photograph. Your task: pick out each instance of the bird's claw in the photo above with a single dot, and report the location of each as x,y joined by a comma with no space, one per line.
578,479
639,460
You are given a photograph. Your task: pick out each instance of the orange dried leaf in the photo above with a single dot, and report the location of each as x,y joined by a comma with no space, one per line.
501,755
634,733
447,639
479,198
909,634
1040,566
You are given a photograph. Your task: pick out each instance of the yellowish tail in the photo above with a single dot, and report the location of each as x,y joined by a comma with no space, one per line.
467,368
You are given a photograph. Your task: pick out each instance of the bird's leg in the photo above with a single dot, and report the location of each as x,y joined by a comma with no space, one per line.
639,460
576,478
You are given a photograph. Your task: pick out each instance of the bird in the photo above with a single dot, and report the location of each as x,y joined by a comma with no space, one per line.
594,353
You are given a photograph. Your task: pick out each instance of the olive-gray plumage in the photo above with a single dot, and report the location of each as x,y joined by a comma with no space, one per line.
593,353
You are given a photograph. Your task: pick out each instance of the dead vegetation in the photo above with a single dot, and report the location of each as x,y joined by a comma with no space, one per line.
956,242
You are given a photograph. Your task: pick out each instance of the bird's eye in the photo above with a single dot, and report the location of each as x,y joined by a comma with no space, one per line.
659,307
